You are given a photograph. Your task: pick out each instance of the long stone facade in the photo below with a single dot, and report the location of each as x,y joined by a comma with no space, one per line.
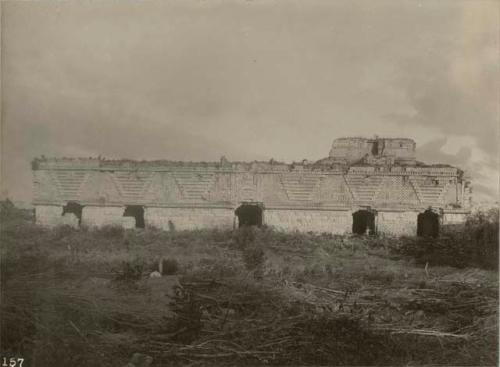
364,185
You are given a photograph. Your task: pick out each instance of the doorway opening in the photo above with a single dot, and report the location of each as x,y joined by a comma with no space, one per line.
73,208
428,224
137,212
363,221
249,215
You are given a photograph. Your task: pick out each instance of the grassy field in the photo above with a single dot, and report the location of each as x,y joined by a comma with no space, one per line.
247,297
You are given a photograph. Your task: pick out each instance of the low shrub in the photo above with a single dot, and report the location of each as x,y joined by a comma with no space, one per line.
253,256
379,276
244,236
187,320
338,341
62,231
481,231
169,266
458,250
128,271
110,231
474,244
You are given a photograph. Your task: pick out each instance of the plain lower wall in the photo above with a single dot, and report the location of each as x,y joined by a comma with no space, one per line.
48,215
454,218
397,223
309,220
189,218
98,216
52,215
338,222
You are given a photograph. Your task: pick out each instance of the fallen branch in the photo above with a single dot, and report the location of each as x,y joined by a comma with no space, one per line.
425,332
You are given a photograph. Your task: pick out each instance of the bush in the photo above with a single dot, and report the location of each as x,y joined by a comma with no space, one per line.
474,244
62,231
253,256
110,231
129,271
343,341
481,231
379,276
188,321
244,236
169,266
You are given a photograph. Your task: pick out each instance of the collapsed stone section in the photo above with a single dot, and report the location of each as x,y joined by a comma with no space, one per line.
373,151
364,186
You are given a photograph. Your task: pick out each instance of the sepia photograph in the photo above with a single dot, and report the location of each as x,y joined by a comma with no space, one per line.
249,183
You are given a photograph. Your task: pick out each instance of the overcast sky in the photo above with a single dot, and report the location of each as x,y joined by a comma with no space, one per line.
194,80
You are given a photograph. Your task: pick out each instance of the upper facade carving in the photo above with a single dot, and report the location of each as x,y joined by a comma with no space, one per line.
375,172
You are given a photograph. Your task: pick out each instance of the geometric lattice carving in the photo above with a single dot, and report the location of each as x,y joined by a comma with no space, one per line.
300,186
221,189
132,183
364,187
332,189
272,185
45,188
108,189
68,183
396,190
429,189
246,187
194,185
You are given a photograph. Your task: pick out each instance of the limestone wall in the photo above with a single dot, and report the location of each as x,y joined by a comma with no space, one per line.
453,218
397,223
52,215
48,215
339,221
309,220
353,149
189,218
188,195
98,216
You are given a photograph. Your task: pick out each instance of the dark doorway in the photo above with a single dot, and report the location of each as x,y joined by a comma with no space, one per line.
249,215
363,221
137,212
74,208
375,148
428,224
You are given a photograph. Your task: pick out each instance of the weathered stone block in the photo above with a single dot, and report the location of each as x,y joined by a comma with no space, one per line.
98,216
309,220
189,218
397,223
128,222
48,215
453,218
70,219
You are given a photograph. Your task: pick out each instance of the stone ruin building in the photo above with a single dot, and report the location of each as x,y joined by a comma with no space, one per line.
363,186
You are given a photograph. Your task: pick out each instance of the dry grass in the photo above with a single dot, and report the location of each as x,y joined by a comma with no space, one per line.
262,297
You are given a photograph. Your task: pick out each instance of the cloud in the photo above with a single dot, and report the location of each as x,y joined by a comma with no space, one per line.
432,152
485,180
454,88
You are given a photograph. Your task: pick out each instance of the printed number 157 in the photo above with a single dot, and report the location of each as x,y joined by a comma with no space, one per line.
13,362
